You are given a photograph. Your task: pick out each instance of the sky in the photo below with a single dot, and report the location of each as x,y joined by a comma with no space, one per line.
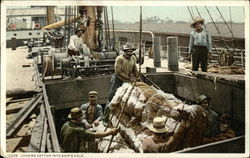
177,13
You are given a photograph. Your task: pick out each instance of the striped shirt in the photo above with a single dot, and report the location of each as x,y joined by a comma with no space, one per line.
200,39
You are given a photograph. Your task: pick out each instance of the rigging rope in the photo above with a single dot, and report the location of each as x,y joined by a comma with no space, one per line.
113,25
216,28
190,13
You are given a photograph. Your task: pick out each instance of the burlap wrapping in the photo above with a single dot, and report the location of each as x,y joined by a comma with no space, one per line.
154,103
152,106
140,84
144,116
163,111
148,93
142,98
138,110
170,103
129,109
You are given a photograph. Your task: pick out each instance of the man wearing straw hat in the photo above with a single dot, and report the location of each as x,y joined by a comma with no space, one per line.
200,45
163,141
125,71
76,42
73,136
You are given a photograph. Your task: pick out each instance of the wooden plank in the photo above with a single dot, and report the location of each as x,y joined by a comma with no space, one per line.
36,137
11,144
8,99
48,143
54,139
44,136
22,114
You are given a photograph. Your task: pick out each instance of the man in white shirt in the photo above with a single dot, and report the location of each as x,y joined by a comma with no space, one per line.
75,42
200,45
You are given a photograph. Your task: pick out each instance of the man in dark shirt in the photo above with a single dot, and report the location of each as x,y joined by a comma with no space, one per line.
74,136
212,127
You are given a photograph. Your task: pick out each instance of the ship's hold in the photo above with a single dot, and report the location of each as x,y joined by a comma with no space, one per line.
144,104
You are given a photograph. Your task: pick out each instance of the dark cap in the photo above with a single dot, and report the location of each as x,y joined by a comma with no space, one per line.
202,98
93,93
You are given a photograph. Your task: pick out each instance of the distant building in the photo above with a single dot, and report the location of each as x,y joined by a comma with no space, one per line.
29,18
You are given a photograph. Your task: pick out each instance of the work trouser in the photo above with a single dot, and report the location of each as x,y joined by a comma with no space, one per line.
199,56
115,83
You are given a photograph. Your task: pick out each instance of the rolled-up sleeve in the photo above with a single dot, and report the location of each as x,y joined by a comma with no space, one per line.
191,43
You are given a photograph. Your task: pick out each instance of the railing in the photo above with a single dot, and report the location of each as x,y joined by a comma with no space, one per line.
238,54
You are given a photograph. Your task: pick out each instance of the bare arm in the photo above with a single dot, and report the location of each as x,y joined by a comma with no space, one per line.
135,70
104,134
118,70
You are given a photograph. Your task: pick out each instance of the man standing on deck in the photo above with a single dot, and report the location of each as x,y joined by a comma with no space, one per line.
200,45
125,71
76,42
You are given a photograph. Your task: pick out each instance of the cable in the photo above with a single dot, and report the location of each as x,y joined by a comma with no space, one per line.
190,13
216,27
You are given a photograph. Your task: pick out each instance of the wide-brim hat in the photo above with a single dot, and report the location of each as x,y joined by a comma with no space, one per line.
197,20
80,29
128,47
159,125
75,113
202,98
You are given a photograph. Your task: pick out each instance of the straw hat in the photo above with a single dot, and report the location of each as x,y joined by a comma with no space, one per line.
201,98
128,47
197,20
80,29
75,113
158,125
